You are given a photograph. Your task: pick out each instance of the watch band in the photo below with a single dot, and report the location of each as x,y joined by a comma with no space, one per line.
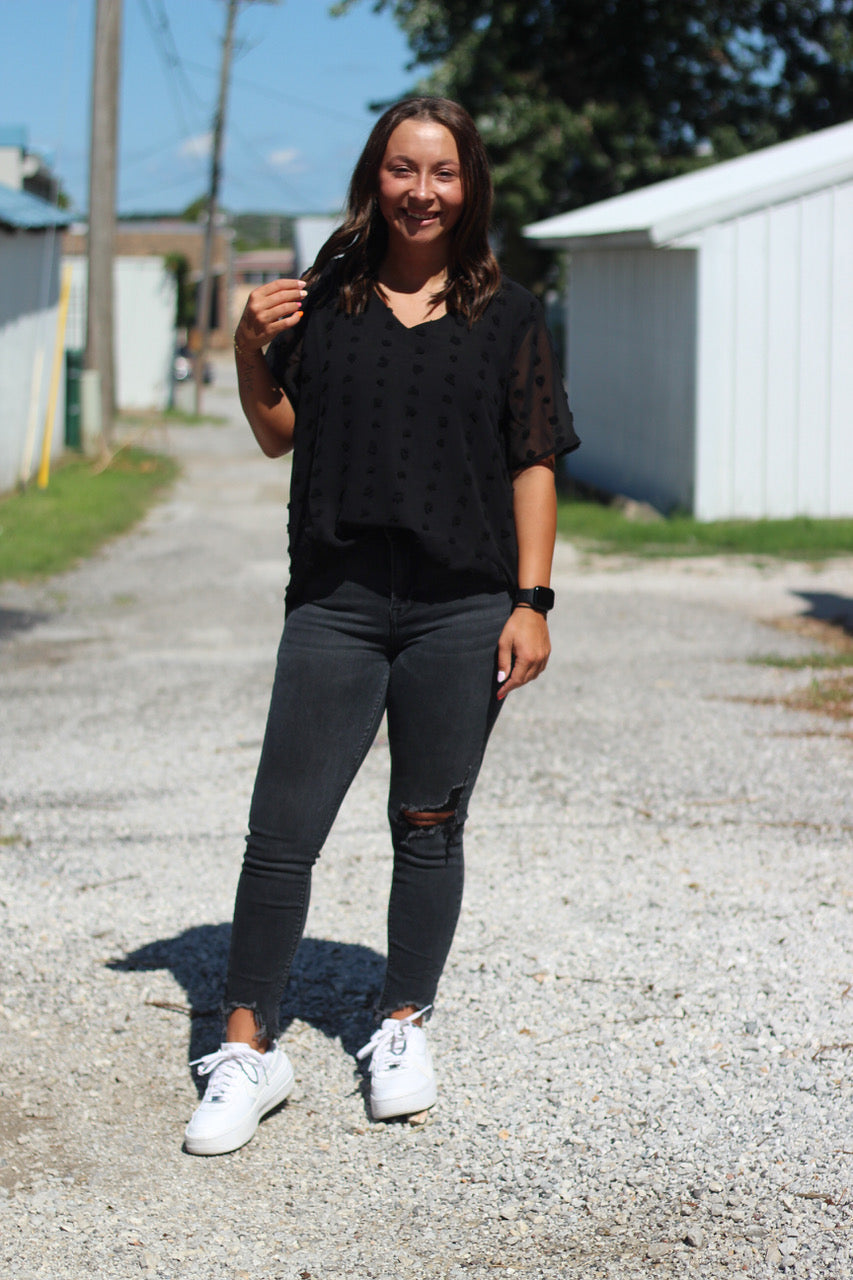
539,598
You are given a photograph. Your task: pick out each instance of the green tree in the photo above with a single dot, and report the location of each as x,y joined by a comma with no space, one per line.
177,264
579,100
196,210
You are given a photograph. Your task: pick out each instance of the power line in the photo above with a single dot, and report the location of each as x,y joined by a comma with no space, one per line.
161,36
293,190
176,57
267,91
137,157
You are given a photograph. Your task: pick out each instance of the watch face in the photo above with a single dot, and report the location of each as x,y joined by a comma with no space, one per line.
539,598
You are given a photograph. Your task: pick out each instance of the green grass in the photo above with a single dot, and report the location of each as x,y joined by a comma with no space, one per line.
596,527
807,661
831,696
179,417
43,531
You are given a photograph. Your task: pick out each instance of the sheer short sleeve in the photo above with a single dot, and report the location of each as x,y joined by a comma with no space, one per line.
284,358
539,421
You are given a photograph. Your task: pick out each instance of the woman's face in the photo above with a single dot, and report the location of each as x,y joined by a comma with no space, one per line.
420,183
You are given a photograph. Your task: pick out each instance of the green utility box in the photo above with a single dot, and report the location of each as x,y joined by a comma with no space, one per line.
73,371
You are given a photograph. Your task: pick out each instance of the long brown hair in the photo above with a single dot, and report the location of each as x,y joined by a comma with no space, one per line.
473,275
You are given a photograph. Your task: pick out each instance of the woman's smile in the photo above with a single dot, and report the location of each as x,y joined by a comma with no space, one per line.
417,221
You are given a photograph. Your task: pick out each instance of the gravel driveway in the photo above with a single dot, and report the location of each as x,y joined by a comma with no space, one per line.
644,1036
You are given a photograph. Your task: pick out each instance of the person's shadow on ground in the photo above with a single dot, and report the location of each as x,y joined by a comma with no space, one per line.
333,986
828,607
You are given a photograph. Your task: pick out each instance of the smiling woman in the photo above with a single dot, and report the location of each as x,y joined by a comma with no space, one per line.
464,261
421,199
423,401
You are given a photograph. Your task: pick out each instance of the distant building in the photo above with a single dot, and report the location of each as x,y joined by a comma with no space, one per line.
22,169
254,267
310,233
171,238
29,295
144,301
710,334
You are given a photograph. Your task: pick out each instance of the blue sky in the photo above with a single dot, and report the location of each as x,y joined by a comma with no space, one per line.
298,107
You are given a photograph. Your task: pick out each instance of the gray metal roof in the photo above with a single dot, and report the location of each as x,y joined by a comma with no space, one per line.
658,214
21,210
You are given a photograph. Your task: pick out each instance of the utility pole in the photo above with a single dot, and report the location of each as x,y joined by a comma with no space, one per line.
102,205
213,198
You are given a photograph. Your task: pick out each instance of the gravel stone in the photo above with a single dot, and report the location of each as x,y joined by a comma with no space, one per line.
647,1006
773,1254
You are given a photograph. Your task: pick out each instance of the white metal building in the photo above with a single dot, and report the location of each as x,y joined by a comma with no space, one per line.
29,294
310,233
710,334
144,320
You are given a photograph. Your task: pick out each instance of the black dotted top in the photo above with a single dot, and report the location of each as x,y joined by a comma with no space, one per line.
418,429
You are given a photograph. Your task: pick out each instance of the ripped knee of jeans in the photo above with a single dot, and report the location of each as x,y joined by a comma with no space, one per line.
422,818
427,817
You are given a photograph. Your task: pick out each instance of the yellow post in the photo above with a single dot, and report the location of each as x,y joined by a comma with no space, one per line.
32,417
58,352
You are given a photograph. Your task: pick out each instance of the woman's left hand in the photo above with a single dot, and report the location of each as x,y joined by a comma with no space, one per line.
523,649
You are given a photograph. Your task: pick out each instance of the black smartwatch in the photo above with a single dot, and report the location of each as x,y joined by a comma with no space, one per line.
539,598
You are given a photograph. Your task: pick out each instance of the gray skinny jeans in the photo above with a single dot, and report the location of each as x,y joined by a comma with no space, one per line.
383,631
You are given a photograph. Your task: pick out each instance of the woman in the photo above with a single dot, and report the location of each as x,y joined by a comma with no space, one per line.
420,394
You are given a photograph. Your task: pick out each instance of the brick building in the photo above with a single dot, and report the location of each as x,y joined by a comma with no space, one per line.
174,238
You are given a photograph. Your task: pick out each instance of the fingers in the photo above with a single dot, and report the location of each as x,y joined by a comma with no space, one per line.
522,673
504,659
523,650
269,309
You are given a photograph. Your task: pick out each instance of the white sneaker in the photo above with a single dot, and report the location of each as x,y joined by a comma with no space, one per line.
244,1085
402,1080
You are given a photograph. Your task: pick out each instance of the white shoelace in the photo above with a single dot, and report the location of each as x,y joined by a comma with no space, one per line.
389,1042
232,1059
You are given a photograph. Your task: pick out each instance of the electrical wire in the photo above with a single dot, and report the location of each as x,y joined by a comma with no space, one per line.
161,35
267,91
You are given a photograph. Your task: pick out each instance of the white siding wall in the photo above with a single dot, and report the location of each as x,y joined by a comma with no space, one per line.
145,328
29,290
631,371
775,361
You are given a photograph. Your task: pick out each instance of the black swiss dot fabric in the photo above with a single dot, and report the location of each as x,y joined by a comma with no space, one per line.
418,429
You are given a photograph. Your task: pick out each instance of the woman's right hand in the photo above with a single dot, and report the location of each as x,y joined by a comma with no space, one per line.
269,309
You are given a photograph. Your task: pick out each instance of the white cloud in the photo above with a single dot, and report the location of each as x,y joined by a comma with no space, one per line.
285,158
197,148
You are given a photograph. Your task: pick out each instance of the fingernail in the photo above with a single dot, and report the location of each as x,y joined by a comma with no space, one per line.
299,314
501,677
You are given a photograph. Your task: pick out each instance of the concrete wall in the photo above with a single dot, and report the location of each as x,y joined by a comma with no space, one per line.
144,328
631,371
775,361
29,292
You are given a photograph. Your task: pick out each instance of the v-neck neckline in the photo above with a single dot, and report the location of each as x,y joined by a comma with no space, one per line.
422,324
409,328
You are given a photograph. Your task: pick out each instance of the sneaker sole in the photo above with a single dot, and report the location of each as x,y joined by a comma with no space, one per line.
419,1100
237,1137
